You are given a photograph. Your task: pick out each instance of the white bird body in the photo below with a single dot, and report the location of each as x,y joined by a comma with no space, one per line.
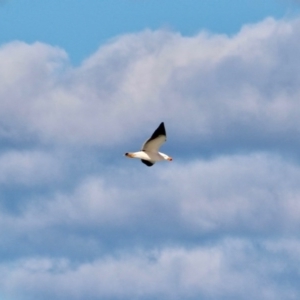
151,156
149,153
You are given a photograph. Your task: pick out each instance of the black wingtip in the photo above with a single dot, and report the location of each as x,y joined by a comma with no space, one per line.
159,131
162,124
147,162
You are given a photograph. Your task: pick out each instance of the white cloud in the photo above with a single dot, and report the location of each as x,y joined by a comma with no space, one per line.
206,87
29,168
233,268
255,194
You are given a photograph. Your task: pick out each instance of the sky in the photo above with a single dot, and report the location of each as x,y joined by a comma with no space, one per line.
83,82
80,27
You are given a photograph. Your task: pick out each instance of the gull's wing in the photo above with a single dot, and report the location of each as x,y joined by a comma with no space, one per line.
156,140
147,162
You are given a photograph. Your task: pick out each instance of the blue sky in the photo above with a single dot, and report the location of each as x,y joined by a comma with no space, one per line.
81,84
80,27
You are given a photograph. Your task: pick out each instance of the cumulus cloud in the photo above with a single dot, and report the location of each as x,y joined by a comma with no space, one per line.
25,168
77,215
212,271
238,195
240,90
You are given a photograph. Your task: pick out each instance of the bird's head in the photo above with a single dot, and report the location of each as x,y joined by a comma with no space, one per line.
166,157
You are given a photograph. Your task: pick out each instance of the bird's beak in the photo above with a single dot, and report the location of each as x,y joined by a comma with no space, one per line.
130,155
170,158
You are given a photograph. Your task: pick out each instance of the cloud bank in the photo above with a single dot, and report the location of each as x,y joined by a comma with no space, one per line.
79,221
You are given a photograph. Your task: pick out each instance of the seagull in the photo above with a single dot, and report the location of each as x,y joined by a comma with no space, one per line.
149,154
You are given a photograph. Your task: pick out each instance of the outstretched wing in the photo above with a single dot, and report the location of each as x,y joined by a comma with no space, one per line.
147,162
158,137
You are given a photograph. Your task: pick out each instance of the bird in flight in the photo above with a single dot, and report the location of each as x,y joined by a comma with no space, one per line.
149,154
